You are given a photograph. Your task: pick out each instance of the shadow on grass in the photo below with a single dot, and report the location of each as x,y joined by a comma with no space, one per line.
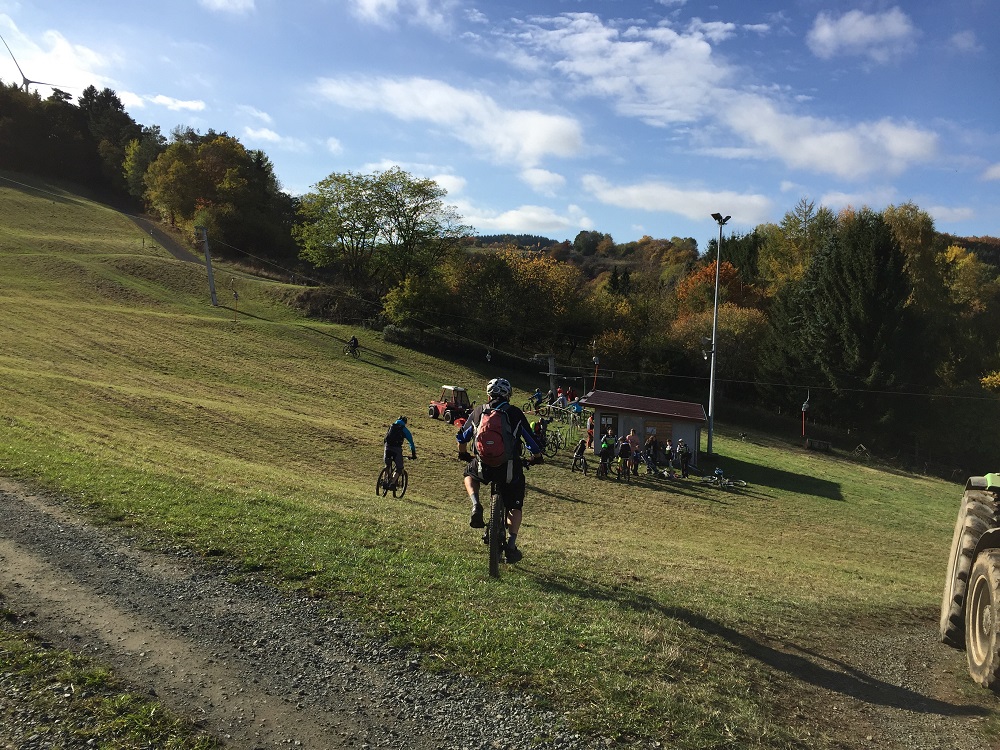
844,679
767,476
372,353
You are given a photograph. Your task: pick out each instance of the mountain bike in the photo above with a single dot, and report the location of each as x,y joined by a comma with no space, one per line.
622,469
354,351
719,479
554,440
390,481
603,469
495,536
580,461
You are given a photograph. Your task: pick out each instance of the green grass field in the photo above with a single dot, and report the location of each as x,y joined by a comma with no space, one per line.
649,610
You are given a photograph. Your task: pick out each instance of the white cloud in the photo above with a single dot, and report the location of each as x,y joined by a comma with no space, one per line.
270,137
528,219
714,31
453,184
521,136
228,6
880,37
692,203
992,173
334,146
655,74
876,198
55,63
255,113
809,143
543,181
434,14
965,41
194,105
944,214
474,15
130,100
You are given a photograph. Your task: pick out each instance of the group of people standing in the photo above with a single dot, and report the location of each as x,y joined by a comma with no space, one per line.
631,452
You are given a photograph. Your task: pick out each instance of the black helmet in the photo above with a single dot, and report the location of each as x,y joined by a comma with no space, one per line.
403,420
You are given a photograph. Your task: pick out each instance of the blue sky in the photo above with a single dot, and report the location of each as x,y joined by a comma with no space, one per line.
629,117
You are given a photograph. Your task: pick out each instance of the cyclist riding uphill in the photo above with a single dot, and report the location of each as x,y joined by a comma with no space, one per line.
496,430
393,440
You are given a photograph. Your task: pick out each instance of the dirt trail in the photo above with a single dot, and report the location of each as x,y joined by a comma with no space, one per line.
260,669
248,663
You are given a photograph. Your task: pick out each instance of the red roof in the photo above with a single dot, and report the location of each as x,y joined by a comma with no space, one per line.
661,407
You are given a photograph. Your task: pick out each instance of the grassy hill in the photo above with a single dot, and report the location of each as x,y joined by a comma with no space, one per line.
663,610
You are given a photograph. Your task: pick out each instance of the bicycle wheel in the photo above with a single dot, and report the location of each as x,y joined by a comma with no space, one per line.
356,353
738,483
551,447
497,533
529,406
710,479
585,470
382,485
401,481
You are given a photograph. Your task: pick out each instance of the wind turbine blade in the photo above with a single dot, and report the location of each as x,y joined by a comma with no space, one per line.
13,58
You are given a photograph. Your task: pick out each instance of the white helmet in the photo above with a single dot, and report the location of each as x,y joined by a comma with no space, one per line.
499,387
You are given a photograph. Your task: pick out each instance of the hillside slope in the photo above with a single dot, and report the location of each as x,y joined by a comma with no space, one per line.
667,611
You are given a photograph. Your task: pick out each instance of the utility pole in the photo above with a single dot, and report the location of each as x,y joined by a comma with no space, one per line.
721,221
552,369
208,263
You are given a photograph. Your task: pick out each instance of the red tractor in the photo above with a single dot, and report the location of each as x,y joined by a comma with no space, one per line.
453,404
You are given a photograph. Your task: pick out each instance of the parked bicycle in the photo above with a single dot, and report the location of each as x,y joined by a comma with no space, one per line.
495,535
719,479
553,440
390,481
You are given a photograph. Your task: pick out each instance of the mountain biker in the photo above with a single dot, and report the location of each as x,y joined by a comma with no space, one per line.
510,477
607,451
537,397
579,458
353,343
394,437
623,452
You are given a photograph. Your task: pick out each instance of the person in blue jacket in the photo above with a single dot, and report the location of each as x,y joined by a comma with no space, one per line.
394,438
509,477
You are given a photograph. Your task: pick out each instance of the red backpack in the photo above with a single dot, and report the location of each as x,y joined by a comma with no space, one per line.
494,437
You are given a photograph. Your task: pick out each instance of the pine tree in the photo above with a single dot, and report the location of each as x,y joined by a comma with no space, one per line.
854,317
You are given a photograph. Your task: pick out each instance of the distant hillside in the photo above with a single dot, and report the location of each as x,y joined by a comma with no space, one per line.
987,249
527,241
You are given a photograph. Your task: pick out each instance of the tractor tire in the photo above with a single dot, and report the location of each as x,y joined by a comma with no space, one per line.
982,621
432,412
976,516
448,416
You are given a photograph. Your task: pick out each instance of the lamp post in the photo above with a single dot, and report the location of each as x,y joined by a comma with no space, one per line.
597,363
721,221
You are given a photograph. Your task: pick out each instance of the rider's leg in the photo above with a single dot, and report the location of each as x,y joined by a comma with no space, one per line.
472,487
397,457
514,522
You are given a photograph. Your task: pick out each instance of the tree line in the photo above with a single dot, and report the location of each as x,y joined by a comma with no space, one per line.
886,323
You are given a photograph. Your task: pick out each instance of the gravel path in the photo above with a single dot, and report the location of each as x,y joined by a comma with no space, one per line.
260,670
